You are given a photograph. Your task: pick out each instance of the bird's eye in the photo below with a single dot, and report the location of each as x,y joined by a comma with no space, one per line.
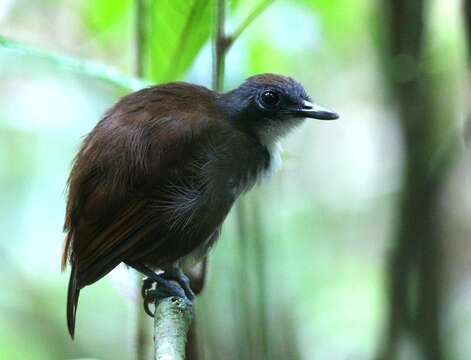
270,98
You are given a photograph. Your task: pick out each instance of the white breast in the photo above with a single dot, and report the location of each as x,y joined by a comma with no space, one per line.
270,137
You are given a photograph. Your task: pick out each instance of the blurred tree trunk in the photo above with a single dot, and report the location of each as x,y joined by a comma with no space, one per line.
467,18
415,268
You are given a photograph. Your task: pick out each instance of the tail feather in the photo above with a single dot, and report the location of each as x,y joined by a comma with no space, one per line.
72,299
66,250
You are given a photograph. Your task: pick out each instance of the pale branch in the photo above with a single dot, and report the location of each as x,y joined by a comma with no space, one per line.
172,319
84,67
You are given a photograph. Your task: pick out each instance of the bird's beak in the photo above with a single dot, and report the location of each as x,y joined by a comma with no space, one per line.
313,111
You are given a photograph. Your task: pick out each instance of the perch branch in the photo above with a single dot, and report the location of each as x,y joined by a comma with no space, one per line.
171,323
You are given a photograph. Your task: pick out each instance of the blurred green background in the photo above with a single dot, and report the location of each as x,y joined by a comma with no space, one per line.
301,270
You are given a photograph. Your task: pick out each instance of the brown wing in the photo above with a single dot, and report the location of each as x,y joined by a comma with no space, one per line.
146,138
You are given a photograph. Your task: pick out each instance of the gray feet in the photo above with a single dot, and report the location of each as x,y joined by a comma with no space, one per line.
170,283
175,274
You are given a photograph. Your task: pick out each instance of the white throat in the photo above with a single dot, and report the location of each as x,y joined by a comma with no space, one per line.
270,137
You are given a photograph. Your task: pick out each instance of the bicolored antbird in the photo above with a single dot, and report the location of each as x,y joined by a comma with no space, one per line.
157,176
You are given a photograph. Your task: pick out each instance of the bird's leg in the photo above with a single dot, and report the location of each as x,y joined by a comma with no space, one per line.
166,287
176,274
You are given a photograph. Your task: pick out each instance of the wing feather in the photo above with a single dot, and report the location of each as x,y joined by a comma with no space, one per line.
121,163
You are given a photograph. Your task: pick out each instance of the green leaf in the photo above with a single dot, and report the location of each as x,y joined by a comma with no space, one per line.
177,32
107,19
233,4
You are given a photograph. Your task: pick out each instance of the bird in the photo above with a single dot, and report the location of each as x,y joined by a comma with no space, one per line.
153,182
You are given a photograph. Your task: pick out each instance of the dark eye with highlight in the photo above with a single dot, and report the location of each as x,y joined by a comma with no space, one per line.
270,98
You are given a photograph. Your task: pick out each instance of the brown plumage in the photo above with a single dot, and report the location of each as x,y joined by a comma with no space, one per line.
155,179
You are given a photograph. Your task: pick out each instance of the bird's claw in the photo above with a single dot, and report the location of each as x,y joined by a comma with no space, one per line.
149,299
147,284
163,286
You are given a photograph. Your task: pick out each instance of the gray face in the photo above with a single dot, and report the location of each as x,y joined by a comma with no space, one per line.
272,105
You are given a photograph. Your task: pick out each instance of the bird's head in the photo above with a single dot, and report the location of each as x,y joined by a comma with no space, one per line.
271,105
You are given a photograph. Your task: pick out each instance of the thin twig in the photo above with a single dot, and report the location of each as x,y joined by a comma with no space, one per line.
220,46
85,67
256,12
223,42
140,37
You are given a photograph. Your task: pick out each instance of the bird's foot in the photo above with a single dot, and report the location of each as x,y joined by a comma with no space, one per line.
175,274
165,285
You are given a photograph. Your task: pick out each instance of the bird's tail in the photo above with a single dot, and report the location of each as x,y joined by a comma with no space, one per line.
72,299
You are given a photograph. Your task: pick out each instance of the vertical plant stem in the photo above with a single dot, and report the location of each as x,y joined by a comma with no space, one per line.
220,46
252,331
140,36
246,332
260,260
